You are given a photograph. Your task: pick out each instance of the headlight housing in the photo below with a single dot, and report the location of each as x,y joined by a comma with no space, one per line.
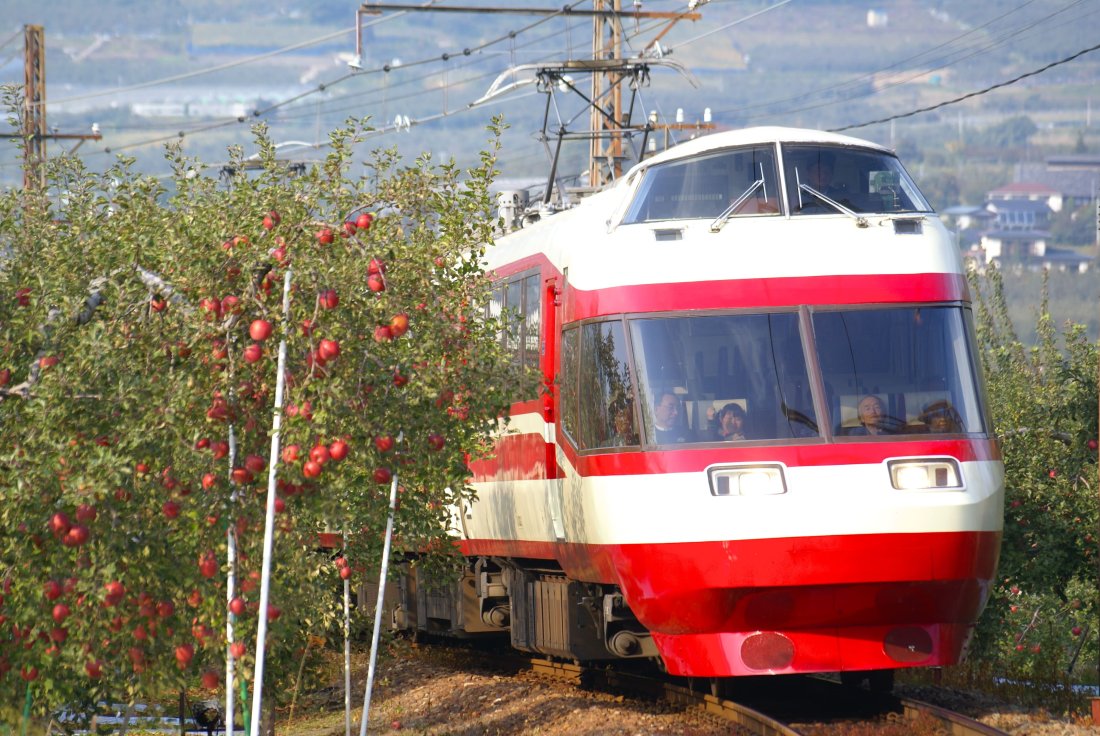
756,479
926,474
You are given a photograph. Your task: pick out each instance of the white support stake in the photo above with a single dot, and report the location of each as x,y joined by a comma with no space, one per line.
269,520
347,646
378,607
230,590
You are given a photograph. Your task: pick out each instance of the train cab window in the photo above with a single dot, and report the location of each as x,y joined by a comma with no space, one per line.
597,394
864,181
706,186
516,301
900,371
692,369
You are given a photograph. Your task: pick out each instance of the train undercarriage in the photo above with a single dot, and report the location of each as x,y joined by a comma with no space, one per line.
541,610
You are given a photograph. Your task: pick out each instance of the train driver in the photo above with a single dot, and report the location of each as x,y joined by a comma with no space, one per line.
666,419
873,418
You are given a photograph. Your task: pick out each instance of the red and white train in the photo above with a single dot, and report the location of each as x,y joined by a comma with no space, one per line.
764,447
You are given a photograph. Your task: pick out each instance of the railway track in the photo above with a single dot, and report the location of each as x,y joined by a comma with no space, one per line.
769,711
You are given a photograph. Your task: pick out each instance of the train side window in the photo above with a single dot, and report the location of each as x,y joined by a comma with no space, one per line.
567,382
516,301
605,391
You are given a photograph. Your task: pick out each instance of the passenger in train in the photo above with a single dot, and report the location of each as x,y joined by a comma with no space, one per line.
873,418
730,423
622,421
941,418
666,419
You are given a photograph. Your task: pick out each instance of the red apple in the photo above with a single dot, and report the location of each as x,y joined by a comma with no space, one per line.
60,524
328,349
208,565
290,454
85,512
436,441
399,379
399,325
29,674
1076,631
48,361
311,469
253,352
158,304
230,304
76,536
165,609
328,299
171,509
363,222
349,228
237,649
211,680
345,573
58,635
220,449
324,236
376,283
237,606
94,668
273,612
280,505
338,450
194,598
384,443
382,475
376,266
319,454
255,463
5,376
209,480
115,591
259,330
184,653
242,476
382,333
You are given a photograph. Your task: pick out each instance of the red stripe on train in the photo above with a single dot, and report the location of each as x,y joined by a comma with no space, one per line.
526,456
767,292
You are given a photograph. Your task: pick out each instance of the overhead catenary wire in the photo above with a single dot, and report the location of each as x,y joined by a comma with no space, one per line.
970,95
385,68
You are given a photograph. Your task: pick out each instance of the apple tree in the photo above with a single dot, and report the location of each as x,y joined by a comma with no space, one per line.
141,321
1041,617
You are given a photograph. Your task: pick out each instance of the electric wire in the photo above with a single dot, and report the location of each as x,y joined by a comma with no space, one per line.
324,85
970,95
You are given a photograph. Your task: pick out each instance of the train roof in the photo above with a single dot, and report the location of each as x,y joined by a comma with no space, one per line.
750,136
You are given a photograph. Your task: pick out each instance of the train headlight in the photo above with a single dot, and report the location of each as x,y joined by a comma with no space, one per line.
747,480
940,474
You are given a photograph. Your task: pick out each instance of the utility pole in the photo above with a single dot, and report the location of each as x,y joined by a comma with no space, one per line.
34,132
34,105
606,149
610,117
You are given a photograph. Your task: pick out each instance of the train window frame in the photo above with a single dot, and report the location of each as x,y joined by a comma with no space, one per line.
516,335
968,384
574,398
643,384
846,185
638,199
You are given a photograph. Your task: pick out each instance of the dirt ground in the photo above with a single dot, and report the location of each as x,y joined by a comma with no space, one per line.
423,691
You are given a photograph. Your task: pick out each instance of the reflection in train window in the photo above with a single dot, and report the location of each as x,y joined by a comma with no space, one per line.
861,180
753,360
916,361
706,185
596,391
516,300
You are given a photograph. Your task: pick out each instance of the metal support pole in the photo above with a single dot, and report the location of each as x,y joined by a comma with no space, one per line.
378,607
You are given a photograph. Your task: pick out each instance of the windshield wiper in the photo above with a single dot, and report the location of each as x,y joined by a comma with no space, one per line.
727,213
861,221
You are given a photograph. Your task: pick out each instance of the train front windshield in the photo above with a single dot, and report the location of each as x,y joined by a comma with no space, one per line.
745,377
